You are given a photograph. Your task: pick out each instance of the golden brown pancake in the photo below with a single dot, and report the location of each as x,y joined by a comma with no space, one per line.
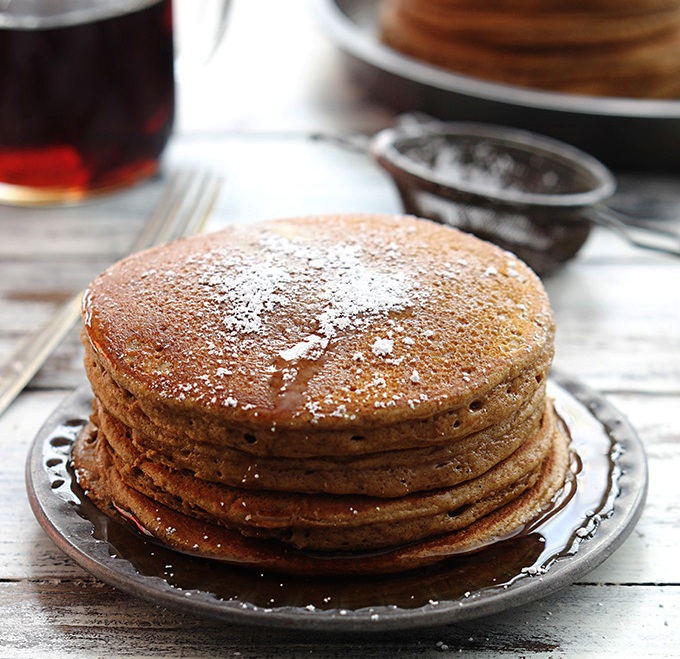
351,384
185,533
330,522
384,474
339,323
436,430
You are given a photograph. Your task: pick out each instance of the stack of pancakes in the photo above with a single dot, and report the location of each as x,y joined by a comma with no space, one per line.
624,48
339,394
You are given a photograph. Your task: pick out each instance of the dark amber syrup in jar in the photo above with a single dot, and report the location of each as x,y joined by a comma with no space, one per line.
85,107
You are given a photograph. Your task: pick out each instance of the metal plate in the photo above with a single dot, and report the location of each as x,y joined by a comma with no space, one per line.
625,133
609,493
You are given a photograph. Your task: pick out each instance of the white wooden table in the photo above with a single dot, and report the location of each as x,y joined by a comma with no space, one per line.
248,115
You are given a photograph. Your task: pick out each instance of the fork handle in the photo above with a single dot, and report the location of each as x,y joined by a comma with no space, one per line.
27,356
651,238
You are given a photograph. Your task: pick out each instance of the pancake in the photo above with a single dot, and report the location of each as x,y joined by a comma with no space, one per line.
608,49
330,522
189,535
384,474
176,330
353,384
438,429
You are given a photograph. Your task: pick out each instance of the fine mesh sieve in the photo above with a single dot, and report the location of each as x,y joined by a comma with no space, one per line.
530,194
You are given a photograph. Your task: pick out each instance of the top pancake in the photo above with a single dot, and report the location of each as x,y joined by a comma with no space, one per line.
341,322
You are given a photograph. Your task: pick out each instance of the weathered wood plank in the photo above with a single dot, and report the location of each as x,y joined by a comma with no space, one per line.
637,345
612,332
102,226
69,619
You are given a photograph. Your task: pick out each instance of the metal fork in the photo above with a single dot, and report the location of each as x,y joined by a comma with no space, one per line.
183,209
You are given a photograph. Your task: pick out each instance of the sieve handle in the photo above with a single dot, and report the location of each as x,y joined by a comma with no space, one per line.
652,238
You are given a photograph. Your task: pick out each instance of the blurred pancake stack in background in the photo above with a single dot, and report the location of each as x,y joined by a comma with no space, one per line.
618,48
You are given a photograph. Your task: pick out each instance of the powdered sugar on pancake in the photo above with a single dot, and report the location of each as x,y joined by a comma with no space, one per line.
350,293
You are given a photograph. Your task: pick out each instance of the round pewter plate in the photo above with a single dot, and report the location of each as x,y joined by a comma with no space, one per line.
593,517
629,133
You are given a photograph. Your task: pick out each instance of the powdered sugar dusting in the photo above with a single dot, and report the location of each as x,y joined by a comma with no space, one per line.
382,347
251,286
305,348
247,289
349,288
